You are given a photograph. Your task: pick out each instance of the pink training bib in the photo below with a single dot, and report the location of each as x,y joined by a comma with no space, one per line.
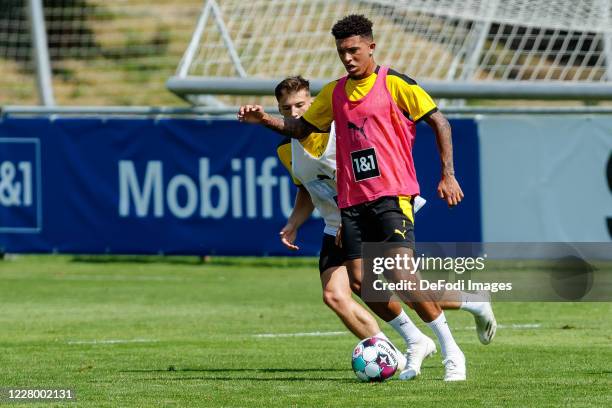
373,145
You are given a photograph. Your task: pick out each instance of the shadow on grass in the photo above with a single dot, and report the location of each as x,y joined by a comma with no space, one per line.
268,379
137,259
221,370
602,372
252,377
263,262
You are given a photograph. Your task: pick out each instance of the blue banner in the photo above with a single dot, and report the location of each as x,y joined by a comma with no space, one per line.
436,222
174,186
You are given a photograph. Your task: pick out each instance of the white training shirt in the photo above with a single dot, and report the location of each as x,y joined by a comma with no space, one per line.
318,176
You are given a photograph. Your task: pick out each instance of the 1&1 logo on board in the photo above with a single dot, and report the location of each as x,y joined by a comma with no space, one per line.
20,190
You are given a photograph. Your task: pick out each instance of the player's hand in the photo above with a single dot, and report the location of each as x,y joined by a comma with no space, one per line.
288,235
449,190
338,239
251,114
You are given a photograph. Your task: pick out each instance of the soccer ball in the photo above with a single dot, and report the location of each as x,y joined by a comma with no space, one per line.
374,359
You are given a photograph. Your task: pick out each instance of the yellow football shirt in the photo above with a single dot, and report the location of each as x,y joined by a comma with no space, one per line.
408,96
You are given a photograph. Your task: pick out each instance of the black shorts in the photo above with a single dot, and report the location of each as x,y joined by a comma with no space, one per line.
331,254
387,219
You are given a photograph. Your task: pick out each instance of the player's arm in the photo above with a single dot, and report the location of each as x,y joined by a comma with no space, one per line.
414,101
448,188
301,211
317,118
294,128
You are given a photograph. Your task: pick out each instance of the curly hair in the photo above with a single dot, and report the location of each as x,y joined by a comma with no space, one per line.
355,24
291,84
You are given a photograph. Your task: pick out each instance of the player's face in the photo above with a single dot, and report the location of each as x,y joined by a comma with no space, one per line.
294,104
356,55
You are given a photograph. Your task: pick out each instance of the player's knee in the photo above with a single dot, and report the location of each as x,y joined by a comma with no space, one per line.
335,299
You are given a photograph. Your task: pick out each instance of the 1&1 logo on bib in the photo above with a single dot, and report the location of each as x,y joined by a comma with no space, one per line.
365,164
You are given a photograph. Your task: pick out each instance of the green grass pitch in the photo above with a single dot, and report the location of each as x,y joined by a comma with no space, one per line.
172,332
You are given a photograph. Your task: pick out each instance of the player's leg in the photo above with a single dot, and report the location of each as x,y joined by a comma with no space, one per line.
385,307
418,345
337,295
477,304
394,219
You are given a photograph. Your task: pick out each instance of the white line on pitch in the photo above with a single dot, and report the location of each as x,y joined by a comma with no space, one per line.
519,326
338,333
119,278
112,341
308,334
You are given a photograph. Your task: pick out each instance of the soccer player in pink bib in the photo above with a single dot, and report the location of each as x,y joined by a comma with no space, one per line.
375,110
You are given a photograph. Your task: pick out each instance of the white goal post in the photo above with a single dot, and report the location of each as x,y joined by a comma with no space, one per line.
513,49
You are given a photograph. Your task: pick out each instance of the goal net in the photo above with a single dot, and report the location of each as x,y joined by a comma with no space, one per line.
446,40
101,52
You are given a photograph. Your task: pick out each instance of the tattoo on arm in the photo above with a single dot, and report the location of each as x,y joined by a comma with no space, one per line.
294,128
444,141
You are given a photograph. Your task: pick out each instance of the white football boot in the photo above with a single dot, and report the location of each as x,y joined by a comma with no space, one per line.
486,325
454,367
415,355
